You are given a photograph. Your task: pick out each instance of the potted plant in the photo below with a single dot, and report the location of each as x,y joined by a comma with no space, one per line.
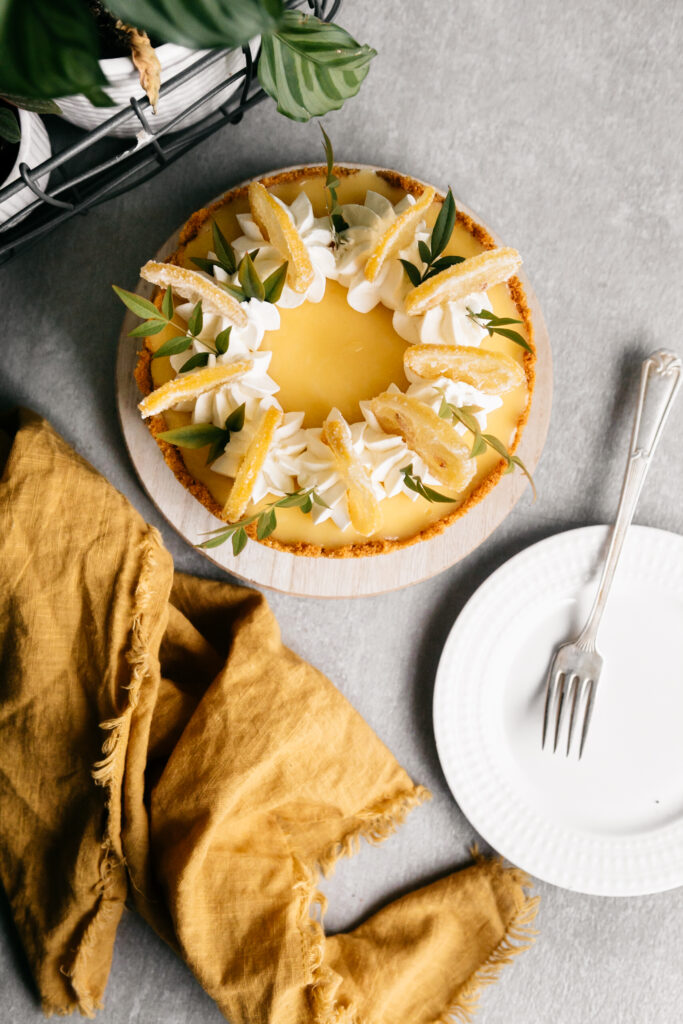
23,139
307,65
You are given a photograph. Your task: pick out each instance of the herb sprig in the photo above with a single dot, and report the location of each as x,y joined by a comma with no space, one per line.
498,325
414,483
265,519
197,435
156,320
250,284
465,415
430,253
332,183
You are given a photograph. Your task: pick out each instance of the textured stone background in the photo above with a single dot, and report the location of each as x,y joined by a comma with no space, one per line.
561,125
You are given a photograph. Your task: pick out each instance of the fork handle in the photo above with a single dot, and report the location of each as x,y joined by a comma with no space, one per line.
660,379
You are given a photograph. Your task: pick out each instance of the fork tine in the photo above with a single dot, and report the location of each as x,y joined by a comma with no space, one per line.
551,686
587,715
561,686
575,688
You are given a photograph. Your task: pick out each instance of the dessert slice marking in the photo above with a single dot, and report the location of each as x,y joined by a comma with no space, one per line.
364,510
434,440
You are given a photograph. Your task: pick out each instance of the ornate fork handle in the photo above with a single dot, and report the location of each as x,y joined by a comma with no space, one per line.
660,379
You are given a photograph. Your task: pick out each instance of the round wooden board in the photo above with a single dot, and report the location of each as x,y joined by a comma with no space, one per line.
330,577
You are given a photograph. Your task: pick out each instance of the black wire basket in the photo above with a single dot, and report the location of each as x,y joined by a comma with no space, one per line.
87,173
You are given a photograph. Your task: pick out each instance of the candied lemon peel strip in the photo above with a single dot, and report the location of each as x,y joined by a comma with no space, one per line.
195,287
475,274
491,372
277,226
252,464
364,510
399,234
192,385
431,437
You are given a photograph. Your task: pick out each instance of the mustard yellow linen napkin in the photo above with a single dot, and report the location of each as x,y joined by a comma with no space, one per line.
159,745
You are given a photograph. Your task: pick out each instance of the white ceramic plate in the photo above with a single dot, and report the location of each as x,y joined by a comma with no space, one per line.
612,823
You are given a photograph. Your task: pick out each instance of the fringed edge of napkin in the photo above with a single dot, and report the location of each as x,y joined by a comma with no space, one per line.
519,936
375,827
108,773
374,824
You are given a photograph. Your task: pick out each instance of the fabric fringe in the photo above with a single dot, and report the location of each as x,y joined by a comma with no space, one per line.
108,771
374,824
519,936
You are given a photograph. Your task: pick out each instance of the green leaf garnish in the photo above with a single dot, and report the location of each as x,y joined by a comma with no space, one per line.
196,321
438,240
311,66
332,183
136,304
198,359
266,520
413,273
173,346
223,341
194,435
414,483
424,251
224,251
252,286
275,282
167,304
498,325
147,328
443,226
235,420
482,441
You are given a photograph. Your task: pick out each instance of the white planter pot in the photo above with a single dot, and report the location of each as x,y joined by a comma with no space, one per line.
34,149
124,84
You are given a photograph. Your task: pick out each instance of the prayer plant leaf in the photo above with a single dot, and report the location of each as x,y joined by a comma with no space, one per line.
310,66
201,24
194,435
9,126
50,49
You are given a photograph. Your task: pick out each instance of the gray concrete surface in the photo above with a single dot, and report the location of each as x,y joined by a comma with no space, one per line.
561,125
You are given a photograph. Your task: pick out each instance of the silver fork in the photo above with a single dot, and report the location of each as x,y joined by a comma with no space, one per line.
575,668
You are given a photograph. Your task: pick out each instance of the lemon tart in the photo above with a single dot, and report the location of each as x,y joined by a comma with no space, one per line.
336,372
